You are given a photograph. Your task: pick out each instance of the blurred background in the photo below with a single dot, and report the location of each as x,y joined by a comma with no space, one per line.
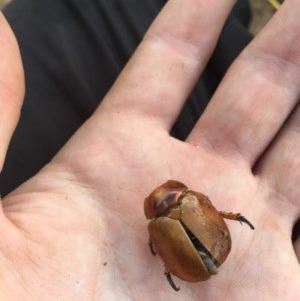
262,12
3,3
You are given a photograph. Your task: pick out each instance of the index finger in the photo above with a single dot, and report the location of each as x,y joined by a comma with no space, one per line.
160,76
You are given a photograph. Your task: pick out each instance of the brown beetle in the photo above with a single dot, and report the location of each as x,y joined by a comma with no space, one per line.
188,233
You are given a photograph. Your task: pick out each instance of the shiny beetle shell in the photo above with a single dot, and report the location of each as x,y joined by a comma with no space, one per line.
187,232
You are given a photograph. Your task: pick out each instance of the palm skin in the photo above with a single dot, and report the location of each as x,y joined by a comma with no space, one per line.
77,231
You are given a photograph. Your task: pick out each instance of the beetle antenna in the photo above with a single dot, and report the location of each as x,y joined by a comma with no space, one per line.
171,282
242,219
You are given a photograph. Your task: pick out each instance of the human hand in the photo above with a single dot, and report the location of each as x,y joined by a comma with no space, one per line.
77,231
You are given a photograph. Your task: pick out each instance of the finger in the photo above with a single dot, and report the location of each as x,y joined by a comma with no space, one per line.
159,77
258,93
11,86
280,167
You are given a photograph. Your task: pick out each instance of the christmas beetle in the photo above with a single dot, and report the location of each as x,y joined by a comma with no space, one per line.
188,232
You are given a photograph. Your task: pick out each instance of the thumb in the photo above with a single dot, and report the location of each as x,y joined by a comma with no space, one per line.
11,86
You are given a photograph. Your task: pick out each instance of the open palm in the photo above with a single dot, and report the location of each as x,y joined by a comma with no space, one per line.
77,231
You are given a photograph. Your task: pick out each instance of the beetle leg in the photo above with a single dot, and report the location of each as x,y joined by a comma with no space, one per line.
242,219
170,280
151,246
236,217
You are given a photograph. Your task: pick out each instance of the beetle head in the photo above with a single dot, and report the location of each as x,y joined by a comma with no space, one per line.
163,198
